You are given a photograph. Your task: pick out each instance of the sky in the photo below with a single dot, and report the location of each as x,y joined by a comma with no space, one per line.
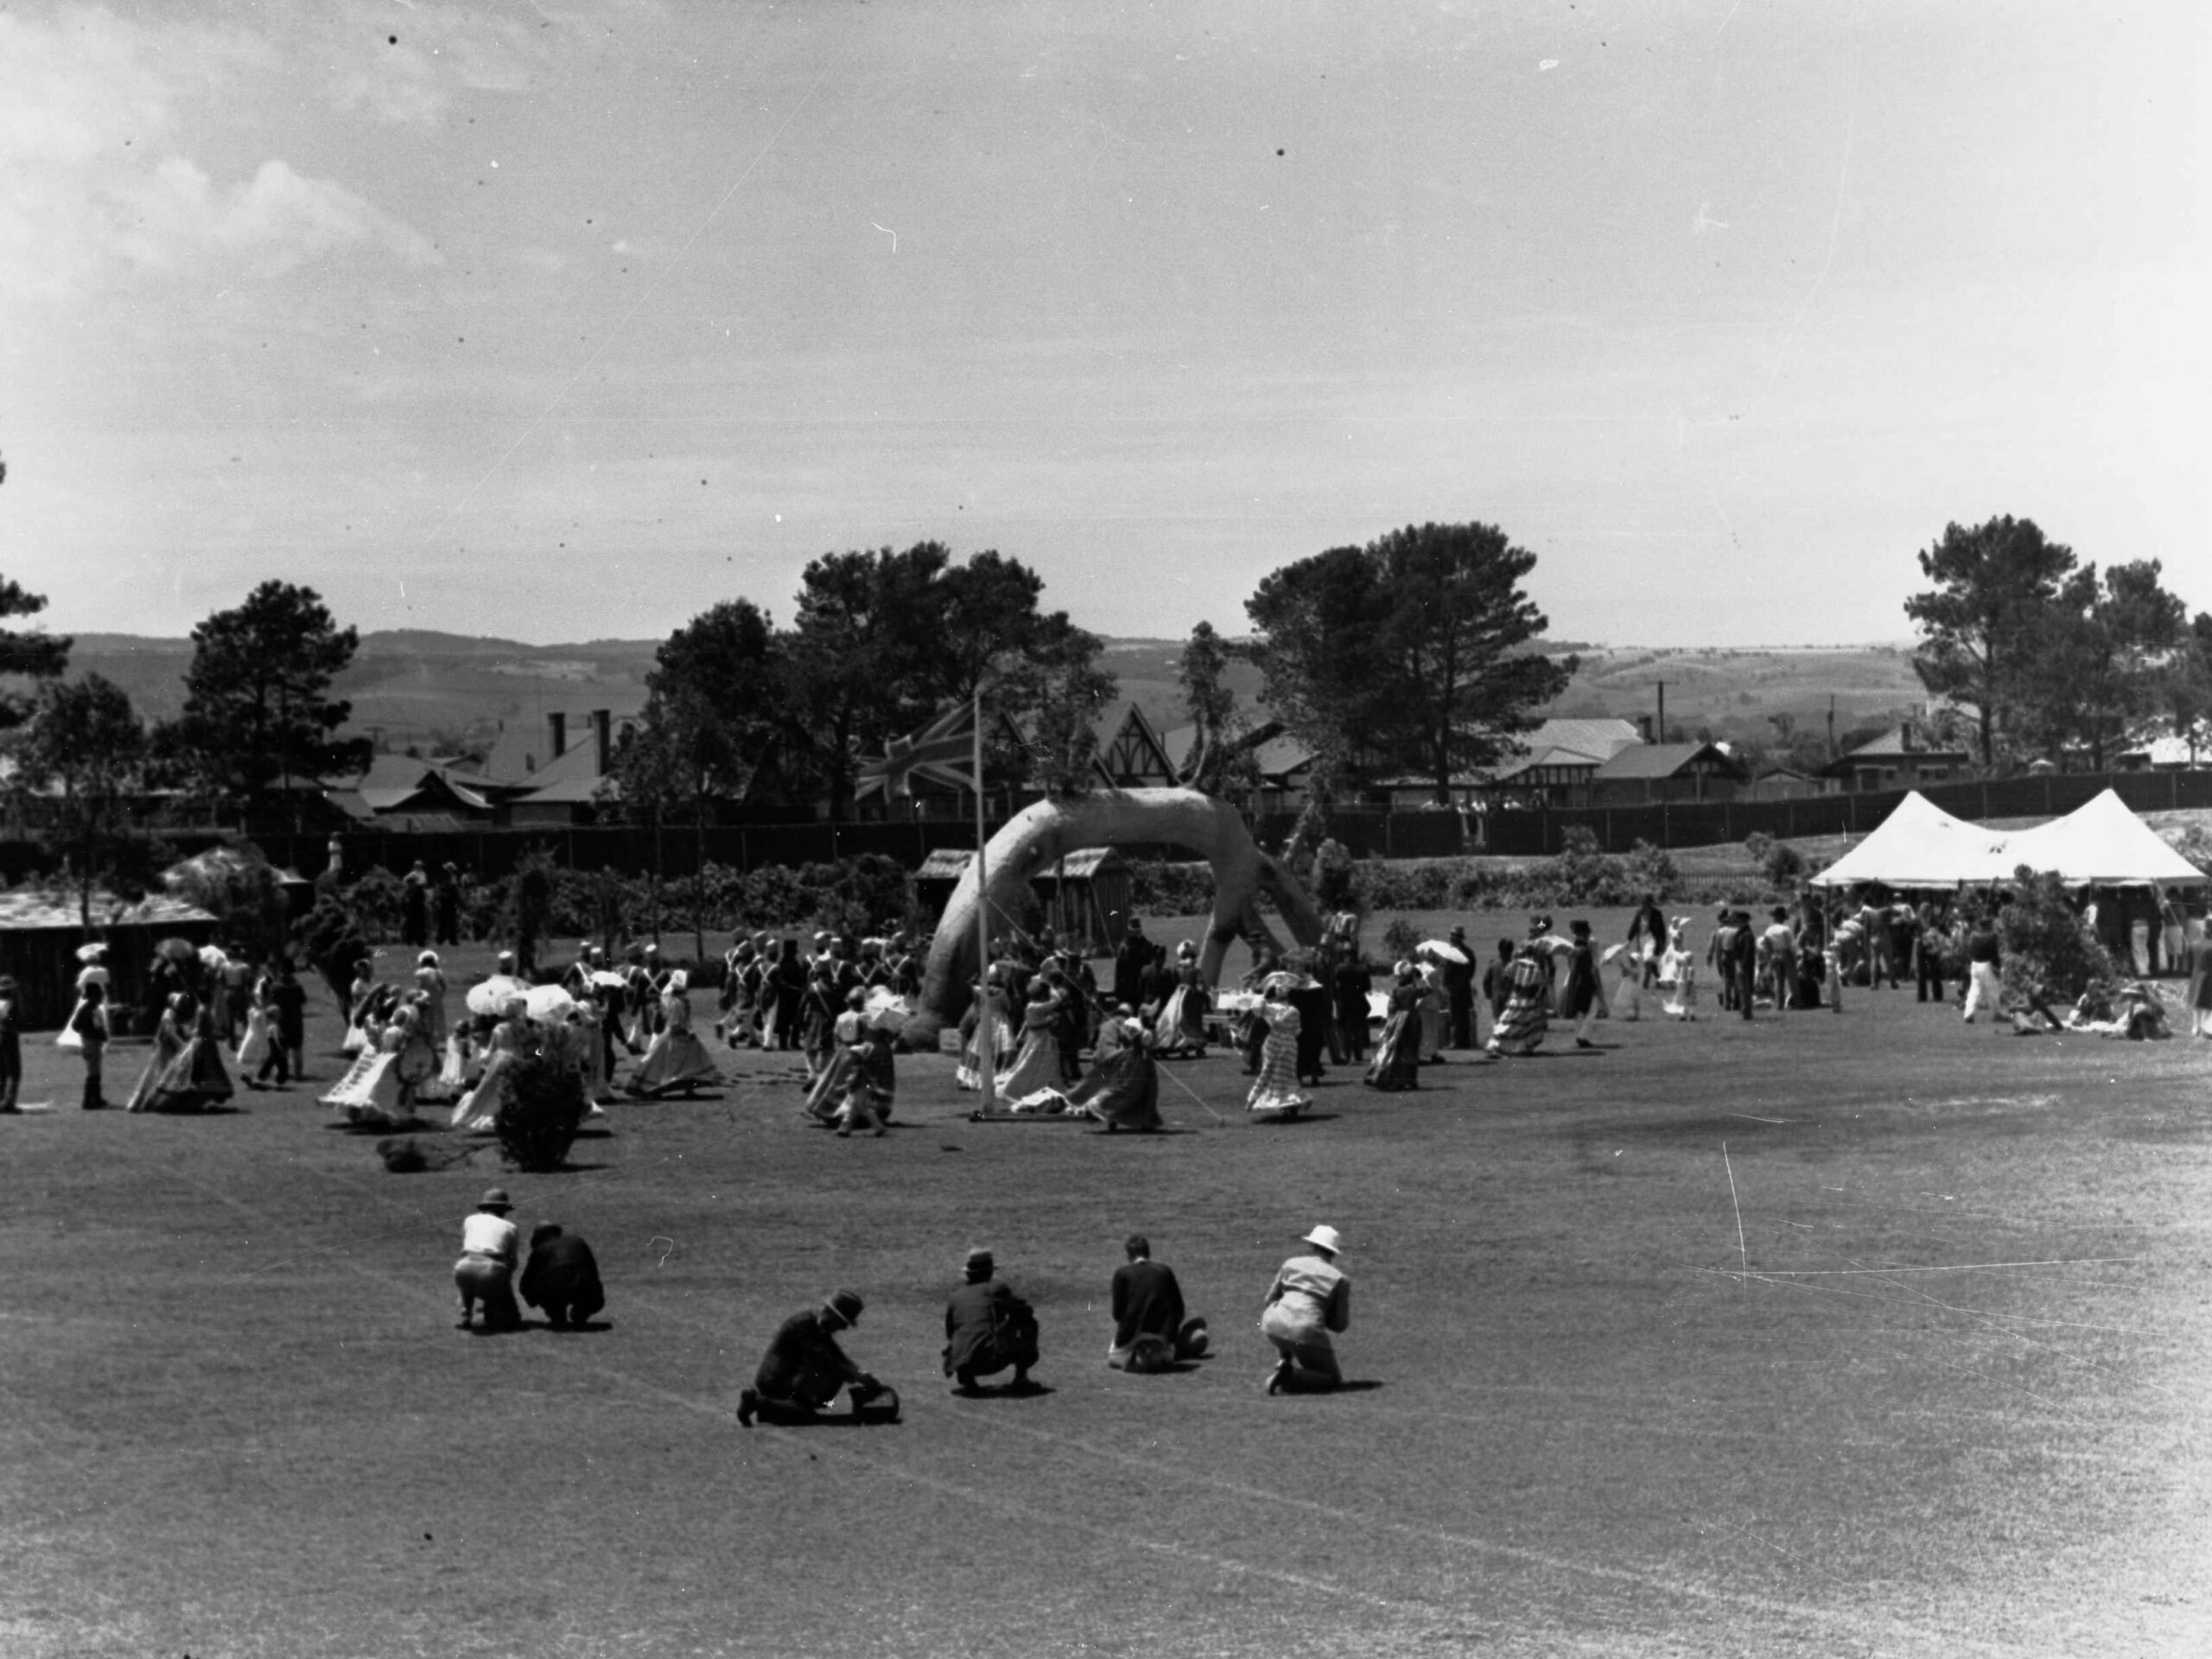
562,323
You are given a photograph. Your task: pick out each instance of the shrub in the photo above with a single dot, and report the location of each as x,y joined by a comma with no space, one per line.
1651,869
2048,952
543,1107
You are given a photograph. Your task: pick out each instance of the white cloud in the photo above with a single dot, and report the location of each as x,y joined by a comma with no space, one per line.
97,179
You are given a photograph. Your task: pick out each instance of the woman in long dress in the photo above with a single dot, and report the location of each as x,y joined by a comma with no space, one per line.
871,1082
94,972
676,1059
1396,1065
361,999
380,1088
1122,1091
477,1108
1678,972
253,1047
194,1079
430,991
1182,1027
1274,1095
987,1017
1432,1011
1521,1027
825,1096
168,1043
1036,1068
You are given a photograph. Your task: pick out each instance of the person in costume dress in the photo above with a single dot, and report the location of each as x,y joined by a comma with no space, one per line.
195,1079
990,1006
1316,1023
1396,1065
1122,1091
1309,1301
1578,1000
1182,1027
1434,1021
1350,982
94,972
256,1047
360,998
88,1024
871,1082
825,1098
1527,1015
1036,1068
2199,1001
1274,1095
382,1090
1678,972
430,992
480,1107
676,1059
168,1042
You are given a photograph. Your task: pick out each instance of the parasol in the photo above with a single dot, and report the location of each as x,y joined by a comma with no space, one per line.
602,976
1442,951
548,1002
91,952
213,957
491,996
1611,951
175,950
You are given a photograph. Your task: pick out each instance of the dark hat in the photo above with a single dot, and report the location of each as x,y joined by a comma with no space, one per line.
980,1261
846,1304
1458,932
495,1197
1580,928
1136,1244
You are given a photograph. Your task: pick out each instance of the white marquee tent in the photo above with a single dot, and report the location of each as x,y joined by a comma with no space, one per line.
2099,843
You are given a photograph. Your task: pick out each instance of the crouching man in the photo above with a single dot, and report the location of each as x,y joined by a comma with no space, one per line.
561,1276
805,1369
1150,1331
987,1328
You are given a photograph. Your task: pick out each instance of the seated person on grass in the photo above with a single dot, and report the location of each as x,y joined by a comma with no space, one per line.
805,1368
1150,1332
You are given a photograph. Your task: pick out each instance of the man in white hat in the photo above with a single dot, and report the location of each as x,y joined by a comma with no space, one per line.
486,1273
1310,1298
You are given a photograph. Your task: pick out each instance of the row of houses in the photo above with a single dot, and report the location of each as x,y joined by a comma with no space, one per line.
552,774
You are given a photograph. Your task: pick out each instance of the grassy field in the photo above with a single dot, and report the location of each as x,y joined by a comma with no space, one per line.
1866,1334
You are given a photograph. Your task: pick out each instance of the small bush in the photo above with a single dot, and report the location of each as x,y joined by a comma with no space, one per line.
543,1106
1399,939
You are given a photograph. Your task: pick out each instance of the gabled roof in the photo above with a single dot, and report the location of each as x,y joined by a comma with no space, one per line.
1550,755
1124,733
1900,743
1663,760
1604,737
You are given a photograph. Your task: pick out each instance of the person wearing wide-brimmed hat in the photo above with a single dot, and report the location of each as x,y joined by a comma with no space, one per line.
987,1328
486,1273
1310,1298
805,1370
1274,1094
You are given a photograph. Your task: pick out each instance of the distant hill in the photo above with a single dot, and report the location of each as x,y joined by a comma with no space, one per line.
450,692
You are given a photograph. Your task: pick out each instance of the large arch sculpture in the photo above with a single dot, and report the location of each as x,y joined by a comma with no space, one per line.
1033,839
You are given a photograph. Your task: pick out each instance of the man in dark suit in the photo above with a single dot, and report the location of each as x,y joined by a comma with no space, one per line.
1459,992
805,1369
1135,956
562,1277
987,1328
1150,1331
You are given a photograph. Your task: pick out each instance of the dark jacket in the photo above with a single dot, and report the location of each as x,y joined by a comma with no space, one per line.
803,1349
987,1326
1147,1302
561,1270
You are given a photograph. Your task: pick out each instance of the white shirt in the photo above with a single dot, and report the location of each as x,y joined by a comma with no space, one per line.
486,1234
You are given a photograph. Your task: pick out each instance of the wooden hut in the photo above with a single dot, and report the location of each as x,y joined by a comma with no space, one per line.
1095,906
40,931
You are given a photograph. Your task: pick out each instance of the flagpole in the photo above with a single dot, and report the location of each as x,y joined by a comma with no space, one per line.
986,1061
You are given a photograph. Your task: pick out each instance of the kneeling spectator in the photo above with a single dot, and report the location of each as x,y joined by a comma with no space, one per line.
561,1277
1150,1332
805,1369
987,1328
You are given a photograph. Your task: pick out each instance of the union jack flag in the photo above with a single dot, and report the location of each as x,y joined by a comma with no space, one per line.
941,752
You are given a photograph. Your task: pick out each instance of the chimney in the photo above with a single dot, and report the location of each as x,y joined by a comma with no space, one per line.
1644,725
602,733
557,735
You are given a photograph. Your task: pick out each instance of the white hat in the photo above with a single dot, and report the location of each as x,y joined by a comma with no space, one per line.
1323,1237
